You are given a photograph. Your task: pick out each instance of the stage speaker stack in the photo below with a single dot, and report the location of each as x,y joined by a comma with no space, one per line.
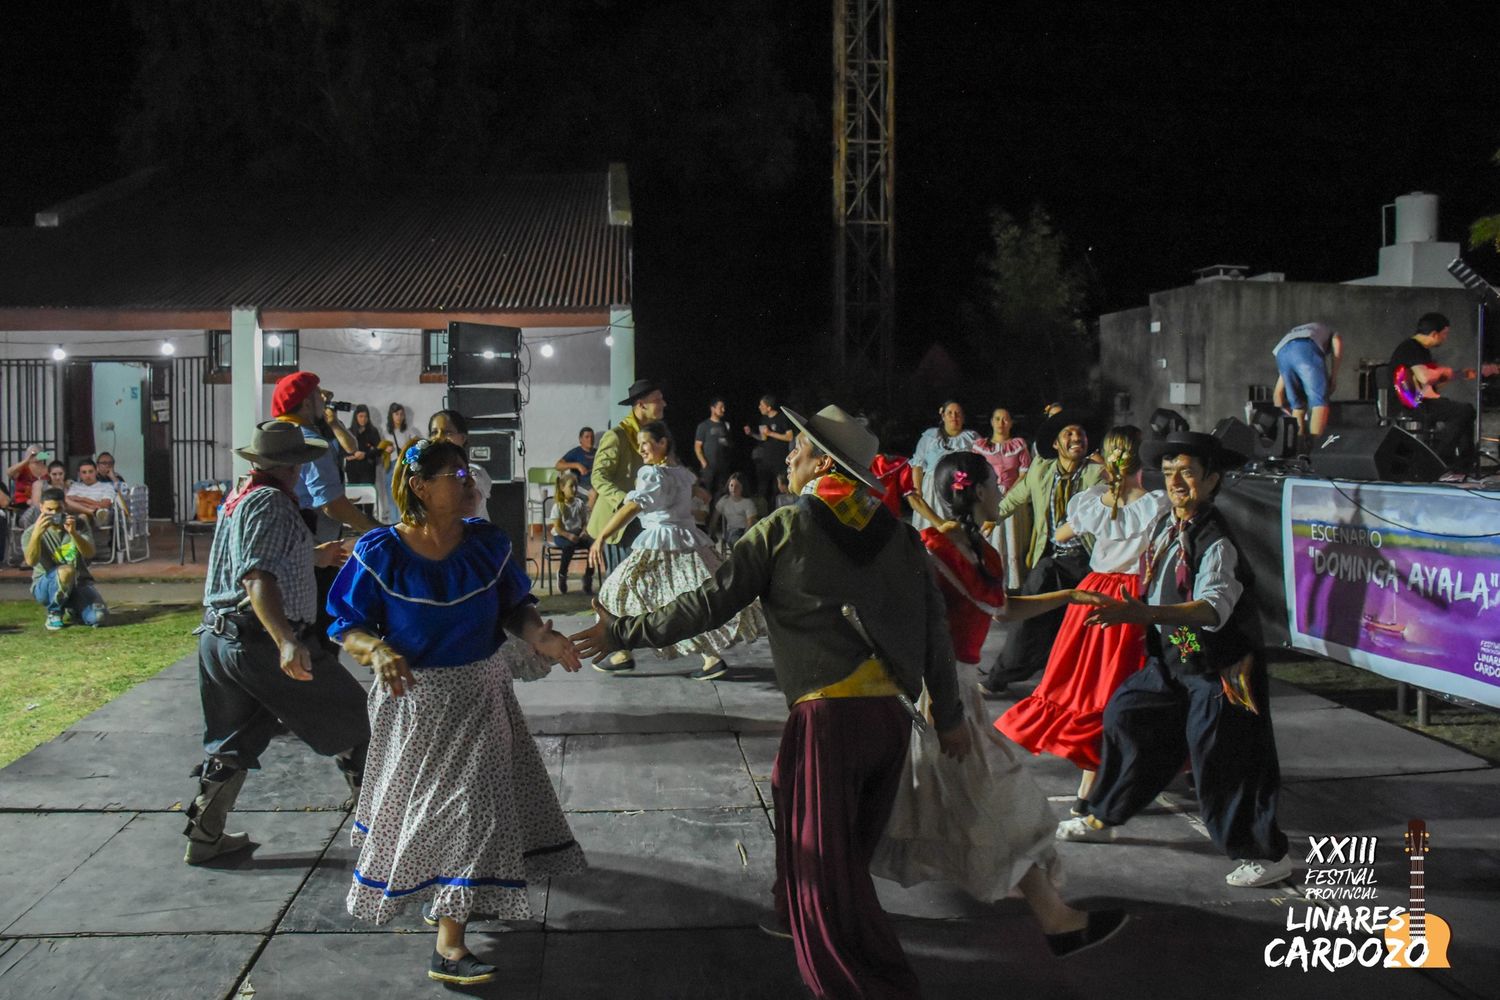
1370,454
1235,434
484,384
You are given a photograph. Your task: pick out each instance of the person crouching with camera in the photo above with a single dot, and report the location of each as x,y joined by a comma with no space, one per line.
58,547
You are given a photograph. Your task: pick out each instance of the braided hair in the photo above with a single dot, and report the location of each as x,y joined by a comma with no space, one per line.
958,477
1122,456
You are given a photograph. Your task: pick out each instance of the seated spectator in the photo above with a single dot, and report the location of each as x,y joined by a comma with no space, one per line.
106,465
90,497
569,530
57,479
580,460
31,468
359,467
784,496
58,548
735,512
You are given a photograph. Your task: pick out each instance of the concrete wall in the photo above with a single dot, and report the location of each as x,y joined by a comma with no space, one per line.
1220,334
566,391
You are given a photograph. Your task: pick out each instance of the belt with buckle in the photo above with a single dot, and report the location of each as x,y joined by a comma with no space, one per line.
232,625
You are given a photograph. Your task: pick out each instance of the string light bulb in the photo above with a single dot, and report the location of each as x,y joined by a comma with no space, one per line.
609,340
168,348
273,340
58,354
548,350
374,340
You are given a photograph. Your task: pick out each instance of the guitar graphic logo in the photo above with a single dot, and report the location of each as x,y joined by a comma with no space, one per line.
1417,939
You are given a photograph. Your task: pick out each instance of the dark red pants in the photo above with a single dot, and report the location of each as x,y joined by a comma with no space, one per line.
835,780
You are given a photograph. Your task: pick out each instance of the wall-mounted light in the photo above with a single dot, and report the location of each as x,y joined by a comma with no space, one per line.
609,340
168,348
273,340
548,350
374,340
58,354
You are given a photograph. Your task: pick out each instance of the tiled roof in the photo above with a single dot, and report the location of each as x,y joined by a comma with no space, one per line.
536,244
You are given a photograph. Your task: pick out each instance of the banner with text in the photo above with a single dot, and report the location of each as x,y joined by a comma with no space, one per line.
1401,580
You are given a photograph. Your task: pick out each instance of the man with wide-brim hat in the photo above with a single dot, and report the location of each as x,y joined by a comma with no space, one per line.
1202,693
1062,472
258,658
616,461
856,623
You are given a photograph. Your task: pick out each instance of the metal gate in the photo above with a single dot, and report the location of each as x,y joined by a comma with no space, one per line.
30,408
193,421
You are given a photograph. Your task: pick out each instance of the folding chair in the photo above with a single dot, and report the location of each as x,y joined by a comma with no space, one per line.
195,527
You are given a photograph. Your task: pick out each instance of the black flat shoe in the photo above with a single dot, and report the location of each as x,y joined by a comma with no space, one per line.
1079,808
466,971
1102,925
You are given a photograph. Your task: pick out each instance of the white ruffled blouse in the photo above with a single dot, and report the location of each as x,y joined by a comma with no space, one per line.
665,496
1119,542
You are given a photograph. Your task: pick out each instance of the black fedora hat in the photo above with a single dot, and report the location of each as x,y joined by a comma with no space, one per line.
1048,430
639,388
1204,447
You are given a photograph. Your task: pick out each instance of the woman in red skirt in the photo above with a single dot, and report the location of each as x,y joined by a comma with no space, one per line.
1064,716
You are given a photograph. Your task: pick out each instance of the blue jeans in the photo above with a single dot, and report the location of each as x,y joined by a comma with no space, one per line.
1303,373
84,600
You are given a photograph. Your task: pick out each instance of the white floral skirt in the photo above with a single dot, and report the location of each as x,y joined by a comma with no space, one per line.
456,806
649,579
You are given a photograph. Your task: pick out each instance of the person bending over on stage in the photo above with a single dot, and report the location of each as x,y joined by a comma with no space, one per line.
1203,691
459,811
846,739
1306,376
1417,372
1064,715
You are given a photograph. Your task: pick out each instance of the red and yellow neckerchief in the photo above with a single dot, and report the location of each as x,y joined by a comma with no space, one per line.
850,502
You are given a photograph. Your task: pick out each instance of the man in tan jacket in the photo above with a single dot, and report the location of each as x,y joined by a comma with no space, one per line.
616,461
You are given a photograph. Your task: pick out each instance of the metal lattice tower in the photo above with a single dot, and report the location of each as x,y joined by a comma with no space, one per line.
864,185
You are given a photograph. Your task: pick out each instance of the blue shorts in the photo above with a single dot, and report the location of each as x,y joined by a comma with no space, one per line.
1304,374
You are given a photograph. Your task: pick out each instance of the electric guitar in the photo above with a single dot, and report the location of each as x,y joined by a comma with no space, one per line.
1411,392
1417,939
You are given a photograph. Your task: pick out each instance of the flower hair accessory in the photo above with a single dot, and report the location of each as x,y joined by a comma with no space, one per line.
413,454
960,481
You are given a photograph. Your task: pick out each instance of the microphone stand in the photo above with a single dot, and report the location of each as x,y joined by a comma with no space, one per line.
1472,281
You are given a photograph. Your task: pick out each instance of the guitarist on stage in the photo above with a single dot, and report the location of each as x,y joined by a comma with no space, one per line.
1454,443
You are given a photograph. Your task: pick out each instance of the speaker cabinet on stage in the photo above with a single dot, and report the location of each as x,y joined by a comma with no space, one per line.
1387,454
507,509
484,400
1234,433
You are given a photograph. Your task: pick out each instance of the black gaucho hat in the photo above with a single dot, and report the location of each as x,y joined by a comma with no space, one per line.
1048,430
1204,447
638,389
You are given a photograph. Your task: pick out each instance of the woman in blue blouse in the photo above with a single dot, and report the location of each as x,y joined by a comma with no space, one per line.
456,808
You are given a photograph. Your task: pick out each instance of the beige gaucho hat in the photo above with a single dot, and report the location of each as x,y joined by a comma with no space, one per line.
842,438
278,442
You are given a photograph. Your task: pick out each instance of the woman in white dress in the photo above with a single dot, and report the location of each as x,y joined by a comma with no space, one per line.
669,557
934,443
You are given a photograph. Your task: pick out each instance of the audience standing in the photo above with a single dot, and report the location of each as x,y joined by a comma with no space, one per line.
1010,457
359,466
935,442
398,436
714,447
775,436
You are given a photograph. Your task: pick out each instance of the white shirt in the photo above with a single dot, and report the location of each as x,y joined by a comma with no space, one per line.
1119,542
100,490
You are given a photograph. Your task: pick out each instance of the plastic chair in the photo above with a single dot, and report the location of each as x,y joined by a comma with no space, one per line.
552,561
132,526
195,527
544,478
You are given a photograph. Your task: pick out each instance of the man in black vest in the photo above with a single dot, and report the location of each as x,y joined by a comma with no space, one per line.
1202,694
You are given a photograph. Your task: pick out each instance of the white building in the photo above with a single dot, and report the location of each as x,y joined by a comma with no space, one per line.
150,318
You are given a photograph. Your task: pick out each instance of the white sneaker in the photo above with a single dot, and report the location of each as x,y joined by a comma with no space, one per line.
1253,873
1079,828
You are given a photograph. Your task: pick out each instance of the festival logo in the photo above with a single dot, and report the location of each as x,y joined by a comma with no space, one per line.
1342,924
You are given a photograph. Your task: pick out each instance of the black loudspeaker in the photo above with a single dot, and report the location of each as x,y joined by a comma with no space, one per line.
1353,413
507,510
493,449
480,354
1387,454
484,401
1234,433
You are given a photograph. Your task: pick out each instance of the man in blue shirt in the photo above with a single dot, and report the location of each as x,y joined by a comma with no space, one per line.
1305,380
580,460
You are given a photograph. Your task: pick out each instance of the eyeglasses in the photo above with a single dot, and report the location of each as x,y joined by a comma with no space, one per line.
463,475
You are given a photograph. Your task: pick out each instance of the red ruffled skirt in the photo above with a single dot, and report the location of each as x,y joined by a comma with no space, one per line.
1064,716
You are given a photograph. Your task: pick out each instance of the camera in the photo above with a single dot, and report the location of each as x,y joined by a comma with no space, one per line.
340,406
57,519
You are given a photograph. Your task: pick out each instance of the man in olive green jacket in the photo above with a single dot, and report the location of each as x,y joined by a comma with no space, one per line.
616,461
1062,443
844,673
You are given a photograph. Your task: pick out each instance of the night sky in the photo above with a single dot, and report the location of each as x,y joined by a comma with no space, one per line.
1161,140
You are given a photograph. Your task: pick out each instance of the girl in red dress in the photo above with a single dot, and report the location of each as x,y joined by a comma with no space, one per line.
1064,716
971,576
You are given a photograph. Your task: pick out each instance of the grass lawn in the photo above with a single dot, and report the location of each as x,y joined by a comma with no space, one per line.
50,680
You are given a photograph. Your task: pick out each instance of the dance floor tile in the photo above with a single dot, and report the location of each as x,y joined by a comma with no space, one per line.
138,884
667,869
655,771
635,703
156,706
725,964
39,850
751,701
759,750
179,967
150,772
320,906
347,967
1344,743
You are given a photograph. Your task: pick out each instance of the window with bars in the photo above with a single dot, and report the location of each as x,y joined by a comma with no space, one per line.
435,355
279,354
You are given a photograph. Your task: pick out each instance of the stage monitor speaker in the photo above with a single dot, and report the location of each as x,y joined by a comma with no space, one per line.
1234,433
480,354
484,401
507,509
493,449
1369,454
1346,413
